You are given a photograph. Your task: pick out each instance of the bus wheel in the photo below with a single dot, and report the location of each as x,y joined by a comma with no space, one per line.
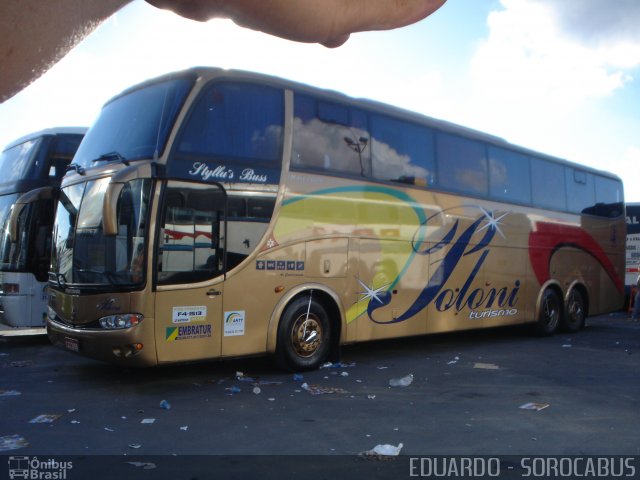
573,320
303,335
550,313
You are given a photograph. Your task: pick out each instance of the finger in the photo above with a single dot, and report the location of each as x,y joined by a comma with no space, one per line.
329,22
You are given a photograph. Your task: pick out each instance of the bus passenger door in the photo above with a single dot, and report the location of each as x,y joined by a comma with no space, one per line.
189,272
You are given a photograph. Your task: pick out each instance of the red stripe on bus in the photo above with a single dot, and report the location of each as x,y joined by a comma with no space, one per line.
547,238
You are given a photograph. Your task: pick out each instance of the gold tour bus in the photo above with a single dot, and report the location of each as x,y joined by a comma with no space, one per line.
215,214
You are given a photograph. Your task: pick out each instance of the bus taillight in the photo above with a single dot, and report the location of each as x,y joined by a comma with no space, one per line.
10,288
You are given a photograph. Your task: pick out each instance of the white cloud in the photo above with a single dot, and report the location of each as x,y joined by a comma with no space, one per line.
528,58
628,168
537,86
598,21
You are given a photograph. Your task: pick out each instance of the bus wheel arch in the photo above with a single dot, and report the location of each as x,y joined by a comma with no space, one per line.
314,313
549,310
576,309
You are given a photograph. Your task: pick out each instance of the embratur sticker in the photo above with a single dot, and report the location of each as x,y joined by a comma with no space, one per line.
188,332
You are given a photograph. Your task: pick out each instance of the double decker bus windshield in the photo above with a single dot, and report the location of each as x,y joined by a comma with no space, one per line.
6,201
29,252
15,162
135,125
32,164
82,254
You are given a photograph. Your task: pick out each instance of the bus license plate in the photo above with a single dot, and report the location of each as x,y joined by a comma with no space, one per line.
72,344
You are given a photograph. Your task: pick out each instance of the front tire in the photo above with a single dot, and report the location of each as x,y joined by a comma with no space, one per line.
574,318
304,335
550,313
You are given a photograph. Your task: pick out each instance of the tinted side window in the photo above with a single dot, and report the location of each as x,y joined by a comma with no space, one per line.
61,153
235,121
509,176
330,137
247,221
402,151
462,164
548,185
608,190
581,193
609,197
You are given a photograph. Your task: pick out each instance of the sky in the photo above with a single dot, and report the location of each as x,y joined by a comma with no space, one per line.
559,77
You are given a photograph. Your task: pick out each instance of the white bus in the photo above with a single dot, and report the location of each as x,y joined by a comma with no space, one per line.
633,245
28,164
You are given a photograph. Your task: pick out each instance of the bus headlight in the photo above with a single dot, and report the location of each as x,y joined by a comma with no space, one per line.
124,320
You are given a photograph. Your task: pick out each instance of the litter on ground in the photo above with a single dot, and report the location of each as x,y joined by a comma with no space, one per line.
338,365
382,452
486,366
144,465
21,363
534,406
45,418
319,390
12,442
9,393
401,382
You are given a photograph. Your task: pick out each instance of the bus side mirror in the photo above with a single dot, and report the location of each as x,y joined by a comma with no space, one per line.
110,208
44,193
113,192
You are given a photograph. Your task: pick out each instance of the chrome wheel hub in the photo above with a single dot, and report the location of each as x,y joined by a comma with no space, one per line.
306,335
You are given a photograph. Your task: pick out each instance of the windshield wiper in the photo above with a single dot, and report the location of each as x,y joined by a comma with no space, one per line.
74,166
110,276
112,156
61,276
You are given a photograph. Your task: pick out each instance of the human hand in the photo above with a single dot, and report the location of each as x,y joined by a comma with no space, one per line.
34,34
328,22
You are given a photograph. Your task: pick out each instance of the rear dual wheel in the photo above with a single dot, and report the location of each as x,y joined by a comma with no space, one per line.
550,313
552,317
574,317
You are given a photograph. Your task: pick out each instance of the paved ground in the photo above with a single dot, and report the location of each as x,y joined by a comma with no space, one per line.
465,399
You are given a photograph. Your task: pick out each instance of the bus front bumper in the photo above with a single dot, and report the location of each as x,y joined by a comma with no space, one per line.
15,311
133,347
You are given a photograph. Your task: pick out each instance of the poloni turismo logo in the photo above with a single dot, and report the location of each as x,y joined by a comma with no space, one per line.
36,469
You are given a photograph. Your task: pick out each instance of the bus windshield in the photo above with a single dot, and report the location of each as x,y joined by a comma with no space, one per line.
6,201
135,125
15,162
82,255
30,251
